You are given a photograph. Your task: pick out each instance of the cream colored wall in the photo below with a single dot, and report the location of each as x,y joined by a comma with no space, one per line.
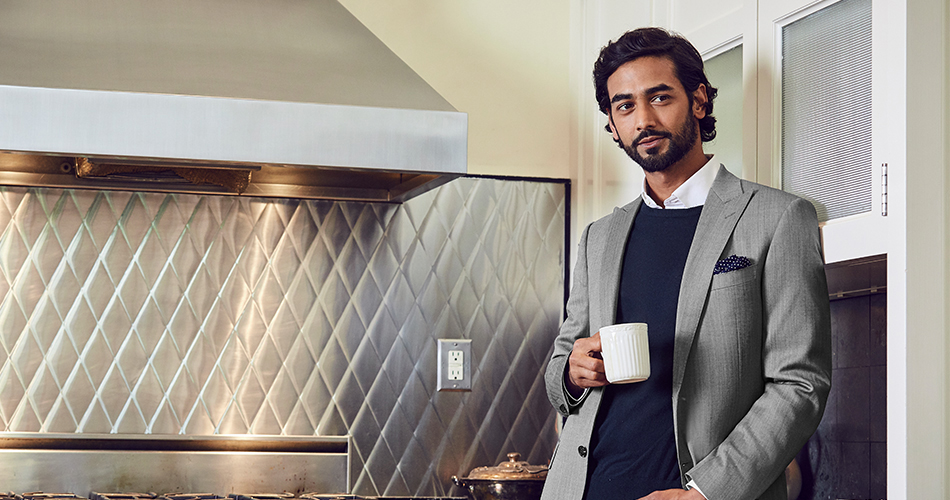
504,63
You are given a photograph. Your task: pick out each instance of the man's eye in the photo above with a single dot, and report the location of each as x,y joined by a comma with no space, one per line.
661,98
624,106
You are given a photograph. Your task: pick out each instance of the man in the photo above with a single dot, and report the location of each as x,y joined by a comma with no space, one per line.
729,277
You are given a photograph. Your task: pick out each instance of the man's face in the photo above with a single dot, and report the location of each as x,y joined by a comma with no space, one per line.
651,115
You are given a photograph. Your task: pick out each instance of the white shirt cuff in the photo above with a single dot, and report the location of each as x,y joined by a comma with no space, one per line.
692,486
572,402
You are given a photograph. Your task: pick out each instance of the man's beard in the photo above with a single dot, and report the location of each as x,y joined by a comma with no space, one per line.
680,143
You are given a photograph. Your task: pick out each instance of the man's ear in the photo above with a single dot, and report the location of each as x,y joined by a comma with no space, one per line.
699,102
611,127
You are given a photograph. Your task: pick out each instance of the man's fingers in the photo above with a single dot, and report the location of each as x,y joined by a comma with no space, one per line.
589,363
586,369
588,344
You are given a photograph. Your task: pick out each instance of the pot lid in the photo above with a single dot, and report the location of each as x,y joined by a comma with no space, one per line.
514,468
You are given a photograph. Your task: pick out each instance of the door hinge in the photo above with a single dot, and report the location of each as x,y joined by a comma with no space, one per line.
884,189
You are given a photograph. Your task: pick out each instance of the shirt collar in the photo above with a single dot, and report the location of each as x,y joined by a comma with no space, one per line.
691,193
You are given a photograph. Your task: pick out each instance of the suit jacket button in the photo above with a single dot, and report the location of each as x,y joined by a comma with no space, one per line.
582,451
562,408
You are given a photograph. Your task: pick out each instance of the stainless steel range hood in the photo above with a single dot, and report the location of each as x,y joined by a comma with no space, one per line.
299,91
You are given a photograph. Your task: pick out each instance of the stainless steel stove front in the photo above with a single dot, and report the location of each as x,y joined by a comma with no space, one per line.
223,465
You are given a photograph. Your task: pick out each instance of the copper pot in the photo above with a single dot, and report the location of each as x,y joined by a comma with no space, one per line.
511,480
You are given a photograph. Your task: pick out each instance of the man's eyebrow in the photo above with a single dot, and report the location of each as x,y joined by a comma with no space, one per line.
652,90
620,97
658,88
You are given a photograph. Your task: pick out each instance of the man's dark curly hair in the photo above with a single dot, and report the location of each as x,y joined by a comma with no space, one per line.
661,43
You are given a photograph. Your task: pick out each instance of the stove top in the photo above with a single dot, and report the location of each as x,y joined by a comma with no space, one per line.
38,495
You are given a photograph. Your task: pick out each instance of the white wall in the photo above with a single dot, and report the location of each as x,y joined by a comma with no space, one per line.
504,63
918,273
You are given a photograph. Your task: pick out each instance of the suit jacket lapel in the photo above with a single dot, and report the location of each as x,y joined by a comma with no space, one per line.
617,234
724,204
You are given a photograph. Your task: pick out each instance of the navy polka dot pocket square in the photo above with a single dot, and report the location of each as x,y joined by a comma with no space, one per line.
731,263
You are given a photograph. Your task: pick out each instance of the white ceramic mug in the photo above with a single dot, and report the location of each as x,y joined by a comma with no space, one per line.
626,352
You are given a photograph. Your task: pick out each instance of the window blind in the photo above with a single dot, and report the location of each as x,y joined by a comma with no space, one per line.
826,109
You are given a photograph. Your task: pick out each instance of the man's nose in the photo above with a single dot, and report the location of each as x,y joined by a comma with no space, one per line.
644,118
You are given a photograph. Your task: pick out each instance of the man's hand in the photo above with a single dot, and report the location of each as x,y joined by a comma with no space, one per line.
585,367
676,494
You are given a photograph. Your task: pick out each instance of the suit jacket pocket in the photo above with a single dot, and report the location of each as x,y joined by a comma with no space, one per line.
731,330
733,278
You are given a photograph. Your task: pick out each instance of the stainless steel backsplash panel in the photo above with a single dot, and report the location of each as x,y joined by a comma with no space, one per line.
143,313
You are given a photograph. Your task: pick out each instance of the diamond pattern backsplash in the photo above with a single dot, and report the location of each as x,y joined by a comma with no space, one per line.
145,313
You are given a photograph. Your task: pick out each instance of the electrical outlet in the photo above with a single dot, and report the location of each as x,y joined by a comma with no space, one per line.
455,365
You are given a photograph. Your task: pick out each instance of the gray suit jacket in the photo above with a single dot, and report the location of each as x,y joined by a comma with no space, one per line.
752,352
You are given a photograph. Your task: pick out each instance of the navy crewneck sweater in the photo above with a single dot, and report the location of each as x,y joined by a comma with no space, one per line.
633,449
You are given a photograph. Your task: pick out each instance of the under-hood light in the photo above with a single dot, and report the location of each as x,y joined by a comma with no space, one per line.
233,179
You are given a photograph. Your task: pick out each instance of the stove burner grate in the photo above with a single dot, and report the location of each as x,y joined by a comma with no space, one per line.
340,496
323,496
258,496
190,496
39,495
120,496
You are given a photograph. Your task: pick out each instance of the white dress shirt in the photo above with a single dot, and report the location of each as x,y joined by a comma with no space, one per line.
691,193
